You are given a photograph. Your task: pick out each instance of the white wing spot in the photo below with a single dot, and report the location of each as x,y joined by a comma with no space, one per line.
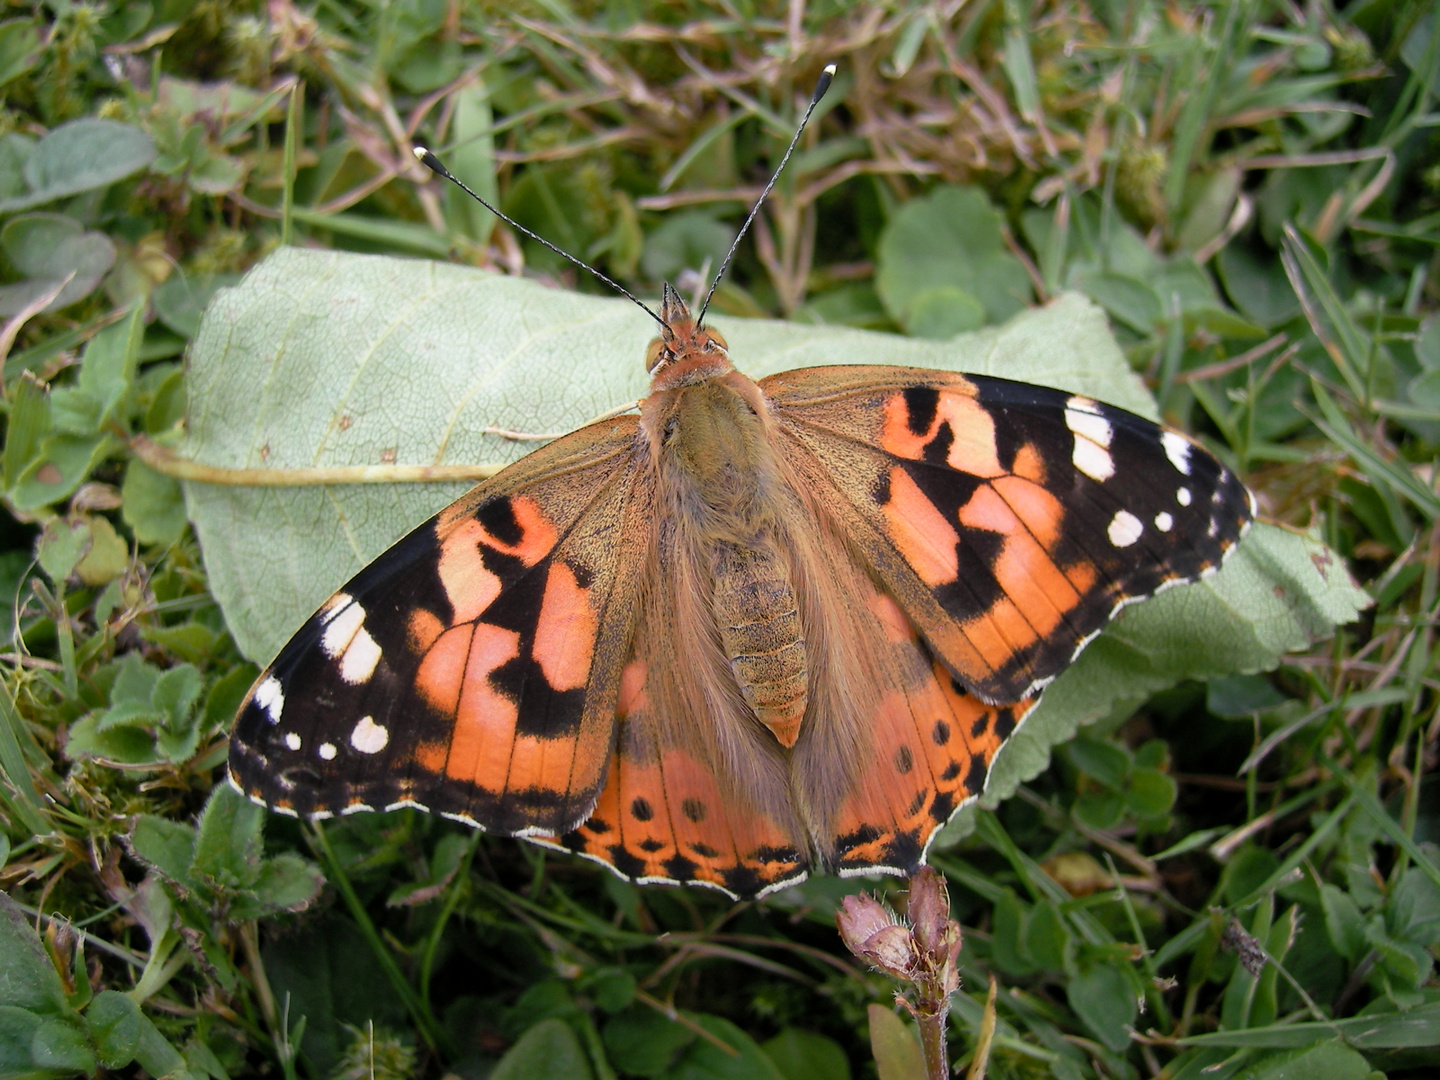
361,657
327,751
270,696
340,628
369,737
1092,460
1164,521
292,740
1177,449
1183,496
1092,439
1125,529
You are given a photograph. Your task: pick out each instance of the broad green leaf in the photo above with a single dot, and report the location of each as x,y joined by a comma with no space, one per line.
107,556
1102,761
703,1060
28,980
803,1055
28,424
1344,924
549,1049
152,504
117,745
332,978
285,883
1211,199
58,1048
180,300
64,461
20,47
473,156
175,694
1150,793
1419,49
155,1054
60,547
1011,936
1104,1000
1048,938
612,989
1256,285
1131,300
687,239
1412,913
1323,1061
317,359
895,1045
644,1041
1238,697
45,249
950,238
939,314
229,844
114,1021
15,151
80,156
167,847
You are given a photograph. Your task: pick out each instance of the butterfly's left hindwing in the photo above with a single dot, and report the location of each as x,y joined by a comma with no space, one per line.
473,669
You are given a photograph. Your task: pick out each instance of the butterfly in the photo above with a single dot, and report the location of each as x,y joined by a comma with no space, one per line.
756,630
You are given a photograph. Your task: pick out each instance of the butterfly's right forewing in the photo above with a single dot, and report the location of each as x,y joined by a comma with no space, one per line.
1009,521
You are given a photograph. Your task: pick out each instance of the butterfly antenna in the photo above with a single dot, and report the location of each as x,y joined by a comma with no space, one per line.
433,163
823,84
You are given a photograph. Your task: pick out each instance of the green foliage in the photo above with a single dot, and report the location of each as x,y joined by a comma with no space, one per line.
1227,869
50,1025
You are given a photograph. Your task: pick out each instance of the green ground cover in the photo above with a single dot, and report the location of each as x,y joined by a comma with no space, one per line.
1218,850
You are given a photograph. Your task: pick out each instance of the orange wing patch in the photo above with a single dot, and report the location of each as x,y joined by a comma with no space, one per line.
663,817
934,744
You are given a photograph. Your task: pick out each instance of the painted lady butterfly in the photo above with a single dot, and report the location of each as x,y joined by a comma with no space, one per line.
757,629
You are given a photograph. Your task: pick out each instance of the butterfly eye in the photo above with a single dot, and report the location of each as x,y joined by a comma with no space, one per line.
654,354
718,339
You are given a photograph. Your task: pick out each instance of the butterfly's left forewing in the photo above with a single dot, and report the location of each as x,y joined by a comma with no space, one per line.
474,668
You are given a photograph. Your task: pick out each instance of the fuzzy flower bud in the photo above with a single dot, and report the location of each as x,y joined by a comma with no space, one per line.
872,932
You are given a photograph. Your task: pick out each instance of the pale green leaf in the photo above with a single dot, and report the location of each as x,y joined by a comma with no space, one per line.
28,980
79,156
549,1049
895,1046
328,359
1322,1061
45,250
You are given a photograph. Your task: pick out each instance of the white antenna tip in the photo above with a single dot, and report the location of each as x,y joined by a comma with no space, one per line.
830,69
419,152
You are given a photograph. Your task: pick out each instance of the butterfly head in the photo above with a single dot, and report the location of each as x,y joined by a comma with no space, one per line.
685,352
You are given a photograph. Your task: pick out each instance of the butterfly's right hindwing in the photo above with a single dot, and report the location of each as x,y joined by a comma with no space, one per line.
473,669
